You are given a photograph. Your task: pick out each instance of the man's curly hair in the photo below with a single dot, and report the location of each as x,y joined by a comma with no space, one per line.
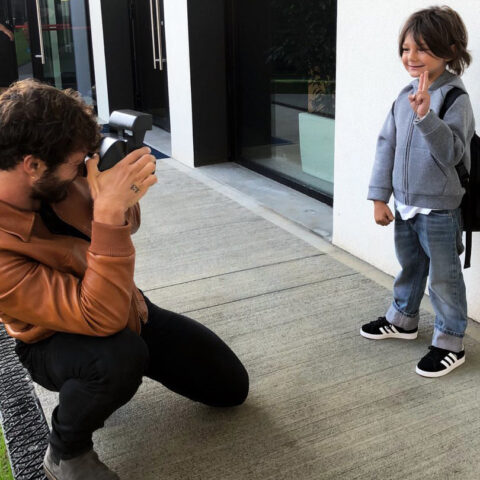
40,120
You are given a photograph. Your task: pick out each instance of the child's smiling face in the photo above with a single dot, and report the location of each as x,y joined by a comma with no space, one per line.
418,59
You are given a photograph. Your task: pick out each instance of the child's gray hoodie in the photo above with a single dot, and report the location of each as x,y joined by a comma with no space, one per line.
416,159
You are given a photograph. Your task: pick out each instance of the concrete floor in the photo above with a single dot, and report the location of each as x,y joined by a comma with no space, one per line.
288,203
325,403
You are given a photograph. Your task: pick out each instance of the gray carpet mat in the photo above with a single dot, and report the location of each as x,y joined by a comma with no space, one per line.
23,423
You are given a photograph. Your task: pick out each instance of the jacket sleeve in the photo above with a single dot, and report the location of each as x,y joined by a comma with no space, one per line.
133,217
380,187
447,139
96,305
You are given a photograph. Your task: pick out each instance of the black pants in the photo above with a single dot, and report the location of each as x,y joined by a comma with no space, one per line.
97,375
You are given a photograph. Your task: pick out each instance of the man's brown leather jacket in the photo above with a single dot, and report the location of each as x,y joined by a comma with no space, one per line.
55,283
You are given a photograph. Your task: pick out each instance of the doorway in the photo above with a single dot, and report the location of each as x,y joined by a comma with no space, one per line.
150,62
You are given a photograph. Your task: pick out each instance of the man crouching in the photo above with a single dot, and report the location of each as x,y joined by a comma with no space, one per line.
67,293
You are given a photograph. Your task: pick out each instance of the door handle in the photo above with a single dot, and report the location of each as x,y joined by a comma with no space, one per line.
159,37
40,33
153,35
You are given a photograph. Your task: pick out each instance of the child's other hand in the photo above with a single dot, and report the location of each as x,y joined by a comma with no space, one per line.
382,213
420,101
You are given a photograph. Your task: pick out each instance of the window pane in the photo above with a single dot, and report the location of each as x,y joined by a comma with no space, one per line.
285,53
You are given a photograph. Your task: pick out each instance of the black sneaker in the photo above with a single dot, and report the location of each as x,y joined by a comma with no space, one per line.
381,328
438,362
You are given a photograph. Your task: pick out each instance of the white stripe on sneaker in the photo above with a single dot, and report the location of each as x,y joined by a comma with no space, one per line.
385,330
389,330
450,361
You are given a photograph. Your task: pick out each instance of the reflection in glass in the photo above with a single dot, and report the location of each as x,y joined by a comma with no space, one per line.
286,55
65,39
8,62
64,36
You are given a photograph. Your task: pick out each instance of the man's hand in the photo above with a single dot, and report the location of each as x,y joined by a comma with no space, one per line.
120,187
382,213
7,32
420,101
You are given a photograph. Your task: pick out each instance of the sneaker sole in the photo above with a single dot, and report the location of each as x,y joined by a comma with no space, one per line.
384,336
441,373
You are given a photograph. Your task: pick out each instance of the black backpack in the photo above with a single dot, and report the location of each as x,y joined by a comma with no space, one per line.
470,205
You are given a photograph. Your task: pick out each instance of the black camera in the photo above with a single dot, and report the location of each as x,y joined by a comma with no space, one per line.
118,143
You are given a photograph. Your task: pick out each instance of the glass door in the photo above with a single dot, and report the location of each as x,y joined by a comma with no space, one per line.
150,64
284,62
52,43
60,44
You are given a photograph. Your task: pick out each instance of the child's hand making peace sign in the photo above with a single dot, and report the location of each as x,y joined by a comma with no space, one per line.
420,101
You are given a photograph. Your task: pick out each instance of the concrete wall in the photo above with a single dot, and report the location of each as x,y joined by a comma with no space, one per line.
369,77
99,63
179,83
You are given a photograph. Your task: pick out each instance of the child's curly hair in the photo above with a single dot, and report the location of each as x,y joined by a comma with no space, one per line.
40,120
443,32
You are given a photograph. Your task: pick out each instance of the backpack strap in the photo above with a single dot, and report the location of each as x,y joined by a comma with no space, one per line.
468,248
449,100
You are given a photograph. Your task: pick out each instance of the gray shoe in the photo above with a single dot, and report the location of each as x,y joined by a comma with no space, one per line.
84,467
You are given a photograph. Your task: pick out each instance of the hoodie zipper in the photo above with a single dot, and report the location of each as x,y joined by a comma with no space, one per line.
407,158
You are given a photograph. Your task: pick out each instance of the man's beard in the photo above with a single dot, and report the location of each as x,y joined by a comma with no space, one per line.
50,189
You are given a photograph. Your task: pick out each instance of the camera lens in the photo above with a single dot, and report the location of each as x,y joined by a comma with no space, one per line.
112,150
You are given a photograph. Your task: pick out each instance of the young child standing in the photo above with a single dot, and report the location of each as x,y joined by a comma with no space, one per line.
415,160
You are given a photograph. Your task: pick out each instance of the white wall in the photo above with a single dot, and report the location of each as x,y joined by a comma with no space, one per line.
99,64
369,77
179,85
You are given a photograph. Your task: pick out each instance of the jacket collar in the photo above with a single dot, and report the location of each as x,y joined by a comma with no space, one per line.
21,222
16,222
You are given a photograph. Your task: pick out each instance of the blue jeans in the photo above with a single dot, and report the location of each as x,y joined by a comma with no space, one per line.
429,246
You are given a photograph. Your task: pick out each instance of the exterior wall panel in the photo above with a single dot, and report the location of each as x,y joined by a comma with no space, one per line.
118,53
369,77
207,38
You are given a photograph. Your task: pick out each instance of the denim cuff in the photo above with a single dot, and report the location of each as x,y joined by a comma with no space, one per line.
400,319
446,341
